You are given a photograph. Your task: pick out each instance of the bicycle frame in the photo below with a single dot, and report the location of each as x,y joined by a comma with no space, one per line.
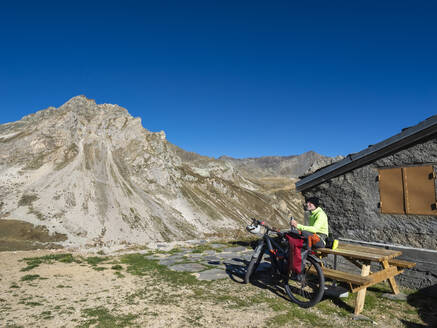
276,252
304,288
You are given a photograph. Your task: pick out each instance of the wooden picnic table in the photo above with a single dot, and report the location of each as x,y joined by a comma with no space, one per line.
362,257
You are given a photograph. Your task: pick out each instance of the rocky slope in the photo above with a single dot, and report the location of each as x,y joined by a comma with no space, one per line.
284,166
94,174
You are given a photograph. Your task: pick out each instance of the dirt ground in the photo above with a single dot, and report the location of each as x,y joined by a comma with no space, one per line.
125,292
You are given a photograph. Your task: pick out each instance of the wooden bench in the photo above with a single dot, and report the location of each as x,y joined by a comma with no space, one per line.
352,278
402,263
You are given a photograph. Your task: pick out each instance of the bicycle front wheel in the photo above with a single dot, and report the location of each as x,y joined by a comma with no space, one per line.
254,262
306,289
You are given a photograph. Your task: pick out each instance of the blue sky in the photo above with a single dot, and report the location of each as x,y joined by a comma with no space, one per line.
237,78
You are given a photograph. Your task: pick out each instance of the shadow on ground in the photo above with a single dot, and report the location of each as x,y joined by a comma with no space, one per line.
425,301
237,271
264,279
245,243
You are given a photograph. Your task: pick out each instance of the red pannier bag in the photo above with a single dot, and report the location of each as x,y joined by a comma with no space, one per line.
299,248
295,254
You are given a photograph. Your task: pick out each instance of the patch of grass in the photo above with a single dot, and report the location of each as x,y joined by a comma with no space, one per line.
233,301
46,315
297,315
411,311
94,260
119,274
279,306
101,317
241,300
328,307
33,303
22,301
193,319
30,277
117,267
29,267
99,268
14,285
371,301
33,262
139,265
280,320
203,248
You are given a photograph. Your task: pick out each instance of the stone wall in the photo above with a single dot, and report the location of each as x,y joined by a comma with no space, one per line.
351,202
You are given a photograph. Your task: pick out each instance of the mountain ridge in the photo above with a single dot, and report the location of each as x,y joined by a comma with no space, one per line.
95,174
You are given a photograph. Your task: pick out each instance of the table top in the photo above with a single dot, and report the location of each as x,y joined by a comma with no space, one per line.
374,254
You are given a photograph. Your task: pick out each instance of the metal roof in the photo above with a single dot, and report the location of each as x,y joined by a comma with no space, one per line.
407,137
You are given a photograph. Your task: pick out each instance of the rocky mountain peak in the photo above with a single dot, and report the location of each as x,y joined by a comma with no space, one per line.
93,173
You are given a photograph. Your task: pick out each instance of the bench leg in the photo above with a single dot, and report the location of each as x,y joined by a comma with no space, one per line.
391,281
361,295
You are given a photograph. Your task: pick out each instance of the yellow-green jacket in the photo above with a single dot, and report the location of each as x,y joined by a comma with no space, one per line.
318,222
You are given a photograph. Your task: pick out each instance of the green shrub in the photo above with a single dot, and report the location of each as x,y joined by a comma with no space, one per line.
94,260
30,277
33,262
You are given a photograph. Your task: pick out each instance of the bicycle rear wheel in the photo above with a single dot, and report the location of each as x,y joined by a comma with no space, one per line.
307,288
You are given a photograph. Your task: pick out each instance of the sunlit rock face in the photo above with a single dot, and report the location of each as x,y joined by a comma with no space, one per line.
92,172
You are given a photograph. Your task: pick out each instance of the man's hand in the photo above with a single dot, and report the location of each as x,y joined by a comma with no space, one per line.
293,223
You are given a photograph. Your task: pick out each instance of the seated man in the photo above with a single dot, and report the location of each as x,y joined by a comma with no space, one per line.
318,222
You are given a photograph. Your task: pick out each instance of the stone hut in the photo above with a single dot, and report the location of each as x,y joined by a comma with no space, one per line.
385,195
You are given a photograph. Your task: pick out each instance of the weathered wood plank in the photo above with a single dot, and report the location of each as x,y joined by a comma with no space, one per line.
353,254
354,279
378,277
391,280
402,263
361,252
361,296
373,250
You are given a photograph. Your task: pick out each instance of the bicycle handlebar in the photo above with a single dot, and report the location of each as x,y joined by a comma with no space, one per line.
262,223
294,232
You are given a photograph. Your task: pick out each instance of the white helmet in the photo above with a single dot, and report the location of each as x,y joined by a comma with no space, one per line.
252,228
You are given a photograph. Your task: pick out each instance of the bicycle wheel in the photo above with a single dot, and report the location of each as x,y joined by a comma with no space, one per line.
253,265
307,288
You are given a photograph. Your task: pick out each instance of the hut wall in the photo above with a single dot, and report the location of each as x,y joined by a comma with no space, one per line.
351,202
